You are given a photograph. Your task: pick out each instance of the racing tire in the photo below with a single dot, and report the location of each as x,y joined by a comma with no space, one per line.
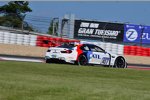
82,60
48,61
120,63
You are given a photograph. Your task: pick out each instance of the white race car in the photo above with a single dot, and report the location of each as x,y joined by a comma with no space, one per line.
84,54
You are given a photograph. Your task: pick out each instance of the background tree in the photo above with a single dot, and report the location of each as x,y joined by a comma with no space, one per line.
13,14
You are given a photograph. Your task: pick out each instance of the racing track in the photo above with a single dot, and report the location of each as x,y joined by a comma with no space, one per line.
41,60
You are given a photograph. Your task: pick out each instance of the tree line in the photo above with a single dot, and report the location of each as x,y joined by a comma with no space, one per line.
13,14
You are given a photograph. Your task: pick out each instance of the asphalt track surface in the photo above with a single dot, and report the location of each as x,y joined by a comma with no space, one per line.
41,60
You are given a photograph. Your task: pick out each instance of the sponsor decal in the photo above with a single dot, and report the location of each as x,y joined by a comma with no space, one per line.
95,56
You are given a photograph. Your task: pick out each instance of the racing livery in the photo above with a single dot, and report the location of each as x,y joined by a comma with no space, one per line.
84,54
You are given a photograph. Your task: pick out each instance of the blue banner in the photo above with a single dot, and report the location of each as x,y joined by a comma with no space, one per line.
136,33
146,35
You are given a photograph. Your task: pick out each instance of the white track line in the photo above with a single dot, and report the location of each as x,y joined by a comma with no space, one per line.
20,59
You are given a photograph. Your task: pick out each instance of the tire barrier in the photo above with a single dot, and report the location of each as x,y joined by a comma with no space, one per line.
13,38
114,48
26,40
136,51
120,49
139,51
108,47
19,39
47,41
6,38
1,37
33,39
102,45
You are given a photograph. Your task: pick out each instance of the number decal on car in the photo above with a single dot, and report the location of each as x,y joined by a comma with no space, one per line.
105,60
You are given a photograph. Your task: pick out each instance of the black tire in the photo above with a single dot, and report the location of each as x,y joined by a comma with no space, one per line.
120,63
48,61
82,60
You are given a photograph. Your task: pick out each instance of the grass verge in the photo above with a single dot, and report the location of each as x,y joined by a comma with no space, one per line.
39,81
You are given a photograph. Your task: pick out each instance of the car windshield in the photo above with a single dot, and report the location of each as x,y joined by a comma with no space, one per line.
65,45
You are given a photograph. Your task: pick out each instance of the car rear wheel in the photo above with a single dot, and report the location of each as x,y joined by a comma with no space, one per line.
82,60
120,63
48,61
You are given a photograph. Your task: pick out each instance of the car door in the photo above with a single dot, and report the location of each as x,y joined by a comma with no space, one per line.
98,55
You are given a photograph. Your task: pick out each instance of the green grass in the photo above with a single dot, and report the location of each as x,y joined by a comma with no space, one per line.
39,81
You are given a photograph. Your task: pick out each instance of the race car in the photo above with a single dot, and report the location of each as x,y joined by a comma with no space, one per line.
84,54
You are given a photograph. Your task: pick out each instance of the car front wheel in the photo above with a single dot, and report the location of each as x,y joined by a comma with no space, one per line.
120,63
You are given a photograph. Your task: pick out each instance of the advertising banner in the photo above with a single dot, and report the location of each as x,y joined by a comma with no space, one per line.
136,33
98,30
146,34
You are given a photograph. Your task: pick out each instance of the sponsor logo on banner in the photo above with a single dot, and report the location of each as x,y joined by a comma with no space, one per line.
131,34
137,33
98,30
146,36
